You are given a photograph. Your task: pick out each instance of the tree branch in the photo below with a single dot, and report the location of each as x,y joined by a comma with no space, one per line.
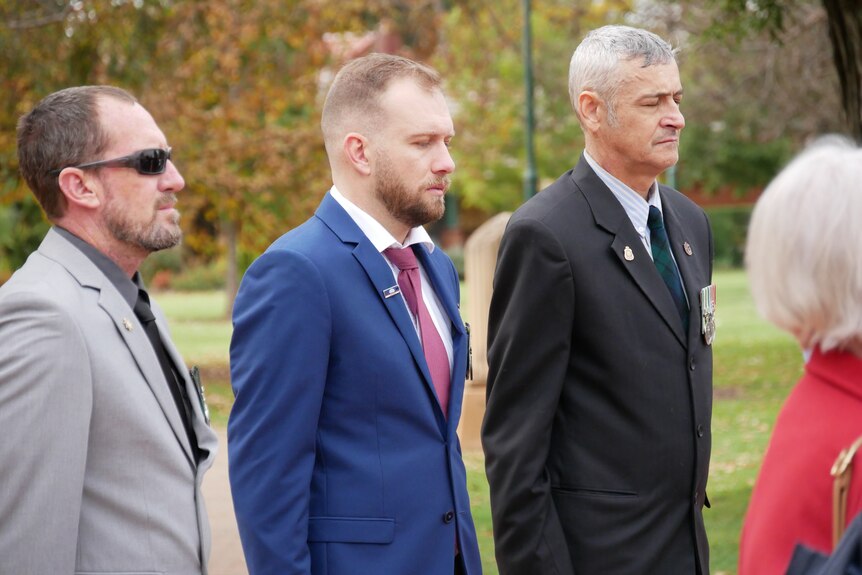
49,13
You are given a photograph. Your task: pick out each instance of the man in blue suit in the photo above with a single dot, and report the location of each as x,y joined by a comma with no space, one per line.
348,363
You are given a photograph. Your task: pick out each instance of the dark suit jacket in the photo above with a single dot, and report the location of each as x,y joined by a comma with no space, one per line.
597,430
341,460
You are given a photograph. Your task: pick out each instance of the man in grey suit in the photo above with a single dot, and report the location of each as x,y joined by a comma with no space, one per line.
597,430
105,433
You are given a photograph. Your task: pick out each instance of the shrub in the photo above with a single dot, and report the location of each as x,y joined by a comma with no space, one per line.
729,228
170,261
22,227
200,277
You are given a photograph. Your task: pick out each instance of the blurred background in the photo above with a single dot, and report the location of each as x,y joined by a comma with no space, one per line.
237,87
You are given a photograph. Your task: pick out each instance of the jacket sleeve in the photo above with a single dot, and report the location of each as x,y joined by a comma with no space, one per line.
529,341
45,408
279,356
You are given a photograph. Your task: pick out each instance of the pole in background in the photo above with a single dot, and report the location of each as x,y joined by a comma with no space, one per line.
530,173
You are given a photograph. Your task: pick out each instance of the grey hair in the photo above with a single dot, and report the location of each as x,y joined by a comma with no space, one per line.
62,130
802,252
595,63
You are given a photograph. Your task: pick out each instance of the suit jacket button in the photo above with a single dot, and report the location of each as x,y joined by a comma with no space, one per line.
700,430
691,364
448,516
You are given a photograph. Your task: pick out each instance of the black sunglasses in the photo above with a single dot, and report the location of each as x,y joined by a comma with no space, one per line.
147,162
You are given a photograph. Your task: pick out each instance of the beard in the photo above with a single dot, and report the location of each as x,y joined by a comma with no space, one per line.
414,207
150,235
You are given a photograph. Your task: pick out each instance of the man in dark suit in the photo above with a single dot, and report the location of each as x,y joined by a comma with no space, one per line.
597,430
348,353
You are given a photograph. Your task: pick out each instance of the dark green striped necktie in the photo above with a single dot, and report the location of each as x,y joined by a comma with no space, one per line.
664,263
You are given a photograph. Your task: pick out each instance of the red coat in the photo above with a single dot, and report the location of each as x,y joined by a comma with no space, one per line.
792,499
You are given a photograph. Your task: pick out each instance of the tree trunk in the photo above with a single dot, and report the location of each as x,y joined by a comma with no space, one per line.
229,229
845,33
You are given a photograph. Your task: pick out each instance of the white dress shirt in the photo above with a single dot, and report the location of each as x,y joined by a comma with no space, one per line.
635,206
381,239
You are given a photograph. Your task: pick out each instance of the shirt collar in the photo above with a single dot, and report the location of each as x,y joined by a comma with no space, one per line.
379,236
128,288
633,203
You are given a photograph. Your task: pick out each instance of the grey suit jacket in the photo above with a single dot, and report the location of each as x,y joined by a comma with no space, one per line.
96,470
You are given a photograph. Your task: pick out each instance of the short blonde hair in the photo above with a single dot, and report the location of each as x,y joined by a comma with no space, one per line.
804,249
353,100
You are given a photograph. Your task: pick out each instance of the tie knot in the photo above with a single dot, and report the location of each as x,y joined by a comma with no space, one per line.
142,307
403,258
654,221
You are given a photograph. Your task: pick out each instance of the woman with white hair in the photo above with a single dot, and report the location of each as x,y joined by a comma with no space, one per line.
804,261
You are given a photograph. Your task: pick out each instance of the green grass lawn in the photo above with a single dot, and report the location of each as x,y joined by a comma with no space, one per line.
755,367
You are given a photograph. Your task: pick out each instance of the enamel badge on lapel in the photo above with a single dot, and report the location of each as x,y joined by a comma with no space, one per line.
628,254
127,324
687,247
391,291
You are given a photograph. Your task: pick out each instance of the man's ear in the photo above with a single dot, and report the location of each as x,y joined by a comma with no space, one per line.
356,153
591,109
77,186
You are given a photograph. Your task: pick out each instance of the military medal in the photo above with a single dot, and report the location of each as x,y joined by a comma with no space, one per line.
707,313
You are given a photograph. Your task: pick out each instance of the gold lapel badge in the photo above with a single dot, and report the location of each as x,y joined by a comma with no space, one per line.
628,254
127,324
687,247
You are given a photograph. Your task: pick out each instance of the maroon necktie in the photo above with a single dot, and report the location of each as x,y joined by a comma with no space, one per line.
410,283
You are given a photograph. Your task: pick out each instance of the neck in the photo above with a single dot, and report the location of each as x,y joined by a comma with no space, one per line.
126,257
640,183
365,201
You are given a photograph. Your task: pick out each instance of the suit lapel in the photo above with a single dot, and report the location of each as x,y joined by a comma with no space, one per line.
694,277
450,305
203,433
128,327
142,351
628,246
380,275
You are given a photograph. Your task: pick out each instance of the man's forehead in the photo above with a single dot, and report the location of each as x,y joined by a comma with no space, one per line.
427,112
128,123
657,78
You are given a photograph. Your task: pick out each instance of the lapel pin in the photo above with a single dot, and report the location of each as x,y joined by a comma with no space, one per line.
628,254
127,324
687,247
391,291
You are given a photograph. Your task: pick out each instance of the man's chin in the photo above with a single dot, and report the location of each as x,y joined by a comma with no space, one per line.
166,240
437,212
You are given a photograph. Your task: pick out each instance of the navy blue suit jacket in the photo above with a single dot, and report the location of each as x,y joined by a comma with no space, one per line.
341,460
